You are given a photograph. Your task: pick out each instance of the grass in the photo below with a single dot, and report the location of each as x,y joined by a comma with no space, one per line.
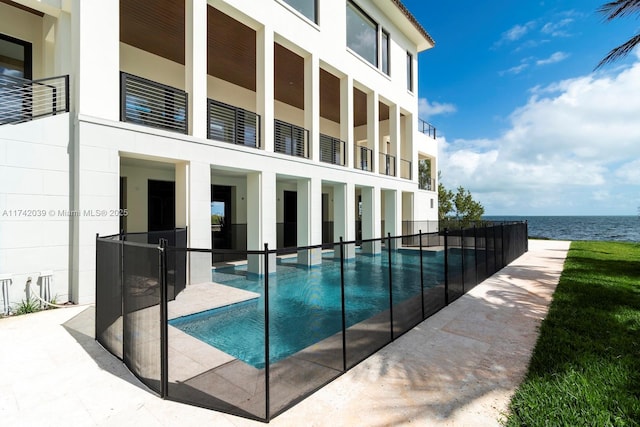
585,368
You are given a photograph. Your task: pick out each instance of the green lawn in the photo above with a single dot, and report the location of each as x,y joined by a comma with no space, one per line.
585,368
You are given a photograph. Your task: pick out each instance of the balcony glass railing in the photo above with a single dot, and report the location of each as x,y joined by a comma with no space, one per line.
363,158
232,124
332,150
152,104
427,128
387,164
291,139
425,183
22,100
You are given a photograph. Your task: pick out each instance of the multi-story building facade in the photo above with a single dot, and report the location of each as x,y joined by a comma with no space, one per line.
285,122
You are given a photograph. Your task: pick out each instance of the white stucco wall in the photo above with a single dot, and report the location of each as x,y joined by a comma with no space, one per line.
35,203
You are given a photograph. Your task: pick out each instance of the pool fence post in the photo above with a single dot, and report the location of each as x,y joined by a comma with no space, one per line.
164,347
95,324
475,250
266,332
390,285
446,266
421,275
344,313
502,263
462,255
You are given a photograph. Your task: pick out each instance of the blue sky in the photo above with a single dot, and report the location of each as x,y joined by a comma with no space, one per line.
525,123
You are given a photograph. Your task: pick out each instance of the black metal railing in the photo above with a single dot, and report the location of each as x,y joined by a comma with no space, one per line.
427,128
363,158
332,150
23,100
383,293
152,104
291,139
425,183
387,164
232,124
406,171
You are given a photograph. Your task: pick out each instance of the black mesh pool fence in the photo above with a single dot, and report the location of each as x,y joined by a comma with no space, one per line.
260,335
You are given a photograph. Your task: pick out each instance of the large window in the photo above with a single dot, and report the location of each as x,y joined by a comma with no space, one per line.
409,72
362,34
367,38
308,8
385,52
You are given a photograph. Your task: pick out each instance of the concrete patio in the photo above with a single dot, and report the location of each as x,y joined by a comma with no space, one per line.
457,368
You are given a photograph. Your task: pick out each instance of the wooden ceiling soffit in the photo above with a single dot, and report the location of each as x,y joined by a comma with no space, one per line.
231,50
329,96
155,26
288,77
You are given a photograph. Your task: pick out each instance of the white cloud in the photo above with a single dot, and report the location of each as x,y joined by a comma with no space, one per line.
515,70
515,33
428,109
572,148
557,29
555,57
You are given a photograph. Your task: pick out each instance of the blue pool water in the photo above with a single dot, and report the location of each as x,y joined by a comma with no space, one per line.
305,302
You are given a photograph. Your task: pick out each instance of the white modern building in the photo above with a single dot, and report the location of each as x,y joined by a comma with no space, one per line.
285,122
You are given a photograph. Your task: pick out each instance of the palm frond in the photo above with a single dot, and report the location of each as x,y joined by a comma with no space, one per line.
620,51
619,8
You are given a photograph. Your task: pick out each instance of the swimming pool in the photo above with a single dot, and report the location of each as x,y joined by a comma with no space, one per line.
305,302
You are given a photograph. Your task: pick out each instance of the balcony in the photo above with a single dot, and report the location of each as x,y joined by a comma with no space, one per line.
152,104
23,100
363,158
427,128
426,183
332,150
387,164
405,169
291,139
232,124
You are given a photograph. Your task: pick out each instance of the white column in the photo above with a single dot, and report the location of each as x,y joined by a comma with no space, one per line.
395,135
312,104
309,220
407,211
261,218
371,218
344,217
346,118
193,210
392,215
96,35
182,194
373,129
264,85
409,128
196,65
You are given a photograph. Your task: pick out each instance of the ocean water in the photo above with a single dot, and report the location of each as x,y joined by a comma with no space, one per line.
605,228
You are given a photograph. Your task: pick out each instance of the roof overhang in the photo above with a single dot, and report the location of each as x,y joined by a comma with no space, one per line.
399,14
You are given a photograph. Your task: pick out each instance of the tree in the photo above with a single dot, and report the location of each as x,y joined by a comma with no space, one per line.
458,206
618,9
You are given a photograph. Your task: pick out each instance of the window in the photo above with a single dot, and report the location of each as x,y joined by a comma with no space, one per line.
308,8
15,57
385,52
367,38
409,72
362,34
